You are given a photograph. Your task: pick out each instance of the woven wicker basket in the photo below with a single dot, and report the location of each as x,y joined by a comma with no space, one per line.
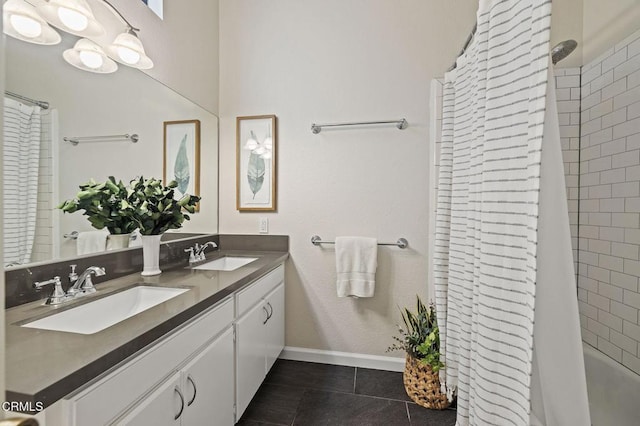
423,385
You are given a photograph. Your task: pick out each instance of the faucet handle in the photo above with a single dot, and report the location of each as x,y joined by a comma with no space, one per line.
73,276
58,295
192,257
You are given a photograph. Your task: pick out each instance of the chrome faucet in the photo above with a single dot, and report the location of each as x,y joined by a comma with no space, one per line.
199,253
196,253
82,284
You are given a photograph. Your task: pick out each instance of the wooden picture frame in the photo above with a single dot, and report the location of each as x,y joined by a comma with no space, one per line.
256,153
181,156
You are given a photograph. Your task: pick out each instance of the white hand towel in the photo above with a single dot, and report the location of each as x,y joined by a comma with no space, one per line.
356,263
91,242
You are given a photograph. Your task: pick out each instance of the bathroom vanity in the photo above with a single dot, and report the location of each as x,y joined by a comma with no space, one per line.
197,358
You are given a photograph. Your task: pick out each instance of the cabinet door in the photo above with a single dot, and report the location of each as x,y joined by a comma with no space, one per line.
208,385
250,355
274,333
163,407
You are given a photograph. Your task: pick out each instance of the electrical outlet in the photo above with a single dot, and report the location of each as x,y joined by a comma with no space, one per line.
263,225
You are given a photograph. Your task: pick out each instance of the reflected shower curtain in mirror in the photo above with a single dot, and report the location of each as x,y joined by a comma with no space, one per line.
20,179
487,212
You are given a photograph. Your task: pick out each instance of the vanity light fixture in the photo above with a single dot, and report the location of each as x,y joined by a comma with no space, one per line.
22,21
72,16
88,56
128,50
30,23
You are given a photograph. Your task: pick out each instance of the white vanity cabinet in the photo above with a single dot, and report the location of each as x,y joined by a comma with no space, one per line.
196,360
199,394
203,373
259,334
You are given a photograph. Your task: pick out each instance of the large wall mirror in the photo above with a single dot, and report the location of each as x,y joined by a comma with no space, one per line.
87,104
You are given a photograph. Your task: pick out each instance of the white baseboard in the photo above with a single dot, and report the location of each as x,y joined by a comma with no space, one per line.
375,362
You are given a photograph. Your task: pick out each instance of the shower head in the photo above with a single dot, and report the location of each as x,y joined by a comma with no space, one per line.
562,50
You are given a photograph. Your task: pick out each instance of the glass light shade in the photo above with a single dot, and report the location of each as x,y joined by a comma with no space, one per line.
72,16
21,21
267,155
88,56
128,50
73,19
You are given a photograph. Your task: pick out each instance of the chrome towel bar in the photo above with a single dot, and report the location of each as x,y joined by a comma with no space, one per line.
401,243
75,140
400,124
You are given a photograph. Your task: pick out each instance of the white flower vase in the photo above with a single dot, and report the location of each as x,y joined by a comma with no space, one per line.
151,255
118,241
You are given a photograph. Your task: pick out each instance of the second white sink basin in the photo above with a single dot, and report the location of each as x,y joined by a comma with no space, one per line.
103,313
226,263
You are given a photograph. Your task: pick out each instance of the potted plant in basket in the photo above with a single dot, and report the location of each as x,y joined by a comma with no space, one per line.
154,212
106,205
420,340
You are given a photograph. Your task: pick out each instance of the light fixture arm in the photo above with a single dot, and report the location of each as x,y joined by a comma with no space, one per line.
131,27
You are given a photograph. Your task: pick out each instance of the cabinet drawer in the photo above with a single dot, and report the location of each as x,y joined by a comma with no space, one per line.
252,295
104,400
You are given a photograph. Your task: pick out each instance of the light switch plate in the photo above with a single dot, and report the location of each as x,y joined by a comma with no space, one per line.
263,226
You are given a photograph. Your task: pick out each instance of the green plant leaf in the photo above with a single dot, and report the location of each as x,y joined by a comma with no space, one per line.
255,173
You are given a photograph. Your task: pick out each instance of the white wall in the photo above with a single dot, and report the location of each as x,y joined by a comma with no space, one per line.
183,45
339,61
606,23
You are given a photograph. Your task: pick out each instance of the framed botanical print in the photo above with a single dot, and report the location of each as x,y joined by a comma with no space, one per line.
182,156
256,153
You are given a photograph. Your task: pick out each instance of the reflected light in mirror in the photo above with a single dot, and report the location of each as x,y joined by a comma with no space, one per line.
128,50
88,56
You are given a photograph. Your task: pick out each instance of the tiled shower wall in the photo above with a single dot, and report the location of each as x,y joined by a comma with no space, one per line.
568,99
43,241
609,222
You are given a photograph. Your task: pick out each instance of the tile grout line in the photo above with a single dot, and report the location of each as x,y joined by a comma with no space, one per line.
355,378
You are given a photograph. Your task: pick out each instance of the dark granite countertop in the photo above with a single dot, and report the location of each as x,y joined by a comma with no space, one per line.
44,366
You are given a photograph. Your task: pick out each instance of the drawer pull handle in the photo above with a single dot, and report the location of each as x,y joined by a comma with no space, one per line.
177,390
195,391
267,311
270,307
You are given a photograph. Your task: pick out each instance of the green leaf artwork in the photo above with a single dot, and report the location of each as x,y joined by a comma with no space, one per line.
181,167
255,173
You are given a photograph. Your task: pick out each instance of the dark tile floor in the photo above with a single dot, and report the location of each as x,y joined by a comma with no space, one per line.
309,394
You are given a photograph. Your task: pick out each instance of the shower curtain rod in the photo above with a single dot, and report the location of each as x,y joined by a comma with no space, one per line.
41,104
464,48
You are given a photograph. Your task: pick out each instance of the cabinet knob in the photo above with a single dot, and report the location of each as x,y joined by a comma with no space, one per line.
177,390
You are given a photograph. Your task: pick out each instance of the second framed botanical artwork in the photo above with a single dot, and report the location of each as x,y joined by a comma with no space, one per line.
256,149
182,156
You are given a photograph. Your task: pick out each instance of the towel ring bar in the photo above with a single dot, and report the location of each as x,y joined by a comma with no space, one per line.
401,243
72,236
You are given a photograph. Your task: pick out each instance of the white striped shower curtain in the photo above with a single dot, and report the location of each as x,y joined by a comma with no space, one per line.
21,149
486,237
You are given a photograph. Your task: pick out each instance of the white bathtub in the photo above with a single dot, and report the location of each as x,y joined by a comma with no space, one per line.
614,390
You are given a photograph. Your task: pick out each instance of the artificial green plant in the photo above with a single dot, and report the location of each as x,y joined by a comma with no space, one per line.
106,205
420,337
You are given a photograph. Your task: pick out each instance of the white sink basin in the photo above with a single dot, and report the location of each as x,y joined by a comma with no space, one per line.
96,316
226,263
